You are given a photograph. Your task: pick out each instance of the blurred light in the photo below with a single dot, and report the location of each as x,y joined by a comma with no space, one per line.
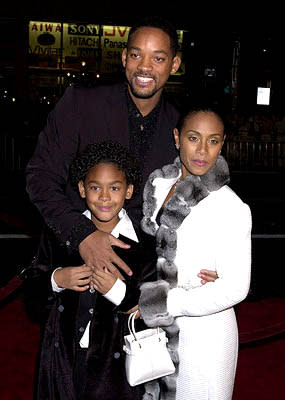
13,99
97,75
263,96
83,63
68,74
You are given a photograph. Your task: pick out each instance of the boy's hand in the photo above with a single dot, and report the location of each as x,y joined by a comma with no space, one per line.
102,281
207,275
73,278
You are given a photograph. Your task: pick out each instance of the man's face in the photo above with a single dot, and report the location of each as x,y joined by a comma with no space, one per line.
148,62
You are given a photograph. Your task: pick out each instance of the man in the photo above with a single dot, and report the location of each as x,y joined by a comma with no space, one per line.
133,113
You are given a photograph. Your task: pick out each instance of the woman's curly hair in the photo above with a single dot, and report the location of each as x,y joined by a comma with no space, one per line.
106,152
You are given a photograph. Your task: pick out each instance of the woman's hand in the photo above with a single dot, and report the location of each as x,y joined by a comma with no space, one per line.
138,314
207,275
73,278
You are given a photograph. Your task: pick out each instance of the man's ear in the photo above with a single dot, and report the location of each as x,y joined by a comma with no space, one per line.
81,189
124,57
175,64
130,191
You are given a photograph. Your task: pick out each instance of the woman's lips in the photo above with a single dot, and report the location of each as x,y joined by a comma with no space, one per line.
200,163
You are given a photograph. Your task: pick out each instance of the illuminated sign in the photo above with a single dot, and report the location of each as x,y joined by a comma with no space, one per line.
263,96
45,43
101,46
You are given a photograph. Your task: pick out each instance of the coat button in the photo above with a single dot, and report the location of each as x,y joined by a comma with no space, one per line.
91,311
60,308
56,344
117,355
81,329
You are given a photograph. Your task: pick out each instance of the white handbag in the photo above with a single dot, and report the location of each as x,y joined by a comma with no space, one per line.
147,356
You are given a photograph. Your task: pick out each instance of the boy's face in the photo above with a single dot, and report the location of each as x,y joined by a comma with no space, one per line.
105,190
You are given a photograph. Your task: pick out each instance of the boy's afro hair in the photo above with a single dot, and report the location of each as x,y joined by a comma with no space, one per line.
106,152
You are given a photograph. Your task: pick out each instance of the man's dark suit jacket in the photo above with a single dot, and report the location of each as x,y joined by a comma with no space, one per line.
83,116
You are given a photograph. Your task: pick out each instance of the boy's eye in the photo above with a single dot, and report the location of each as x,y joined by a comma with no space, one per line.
193,138
115,188
94,187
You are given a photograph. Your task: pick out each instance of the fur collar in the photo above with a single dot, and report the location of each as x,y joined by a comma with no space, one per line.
153,299
187,194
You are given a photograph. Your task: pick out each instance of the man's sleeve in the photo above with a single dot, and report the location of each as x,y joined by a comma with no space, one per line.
48,170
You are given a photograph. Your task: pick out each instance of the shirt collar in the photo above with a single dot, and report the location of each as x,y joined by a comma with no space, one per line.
134,112
124,226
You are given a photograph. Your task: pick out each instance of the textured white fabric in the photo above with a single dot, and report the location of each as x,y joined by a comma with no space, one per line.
216,235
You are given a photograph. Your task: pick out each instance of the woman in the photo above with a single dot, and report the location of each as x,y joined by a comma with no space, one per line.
199,222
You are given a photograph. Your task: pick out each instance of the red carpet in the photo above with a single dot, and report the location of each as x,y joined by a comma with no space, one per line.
19,340
260,372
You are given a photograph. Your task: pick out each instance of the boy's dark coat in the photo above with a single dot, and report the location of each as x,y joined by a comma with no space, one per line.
62,365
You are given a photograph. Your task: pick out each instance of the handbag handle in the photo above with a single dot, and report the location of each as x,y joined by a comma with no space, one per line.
131,324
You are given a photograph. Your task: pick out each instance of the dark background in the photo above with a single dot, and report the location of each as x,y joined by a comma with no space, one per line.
213,28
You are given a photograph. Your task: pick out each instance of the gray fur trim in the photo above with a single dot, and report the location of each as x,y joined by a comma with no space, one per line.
151,390
152,304
153,300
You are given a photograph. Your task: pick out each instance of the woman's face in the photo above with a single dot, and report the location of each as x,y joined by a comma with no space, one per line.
200,142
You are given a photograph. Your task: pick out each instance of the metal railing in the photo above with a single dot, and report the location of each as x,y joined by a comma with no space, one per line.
15,152
241,154
255,155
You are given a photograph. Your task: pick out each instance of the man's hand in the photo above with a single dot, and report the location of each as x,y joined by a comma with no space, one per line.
207,275
102,281
96,251
73,278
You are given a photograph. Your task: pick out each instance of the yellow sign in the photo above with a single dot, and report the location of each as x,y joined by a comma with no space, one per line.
113,41
44,43
100,46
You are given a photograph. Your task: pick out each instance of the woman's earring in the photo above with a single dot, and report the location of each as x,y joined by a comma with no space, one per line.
177,146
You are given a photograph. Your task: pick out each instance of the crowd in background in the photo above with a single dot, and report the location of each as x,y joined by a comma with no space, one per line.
23,120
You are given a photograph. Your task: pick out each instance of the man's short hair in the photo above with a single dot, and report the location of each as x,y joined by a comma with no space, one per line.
159,23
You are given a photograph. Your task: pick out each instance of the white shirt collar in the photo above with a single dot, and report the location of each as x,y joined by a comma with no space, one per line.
123,227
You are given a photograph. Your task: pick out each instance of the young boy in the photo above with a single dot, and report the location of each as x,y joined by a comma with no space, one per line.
81,355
